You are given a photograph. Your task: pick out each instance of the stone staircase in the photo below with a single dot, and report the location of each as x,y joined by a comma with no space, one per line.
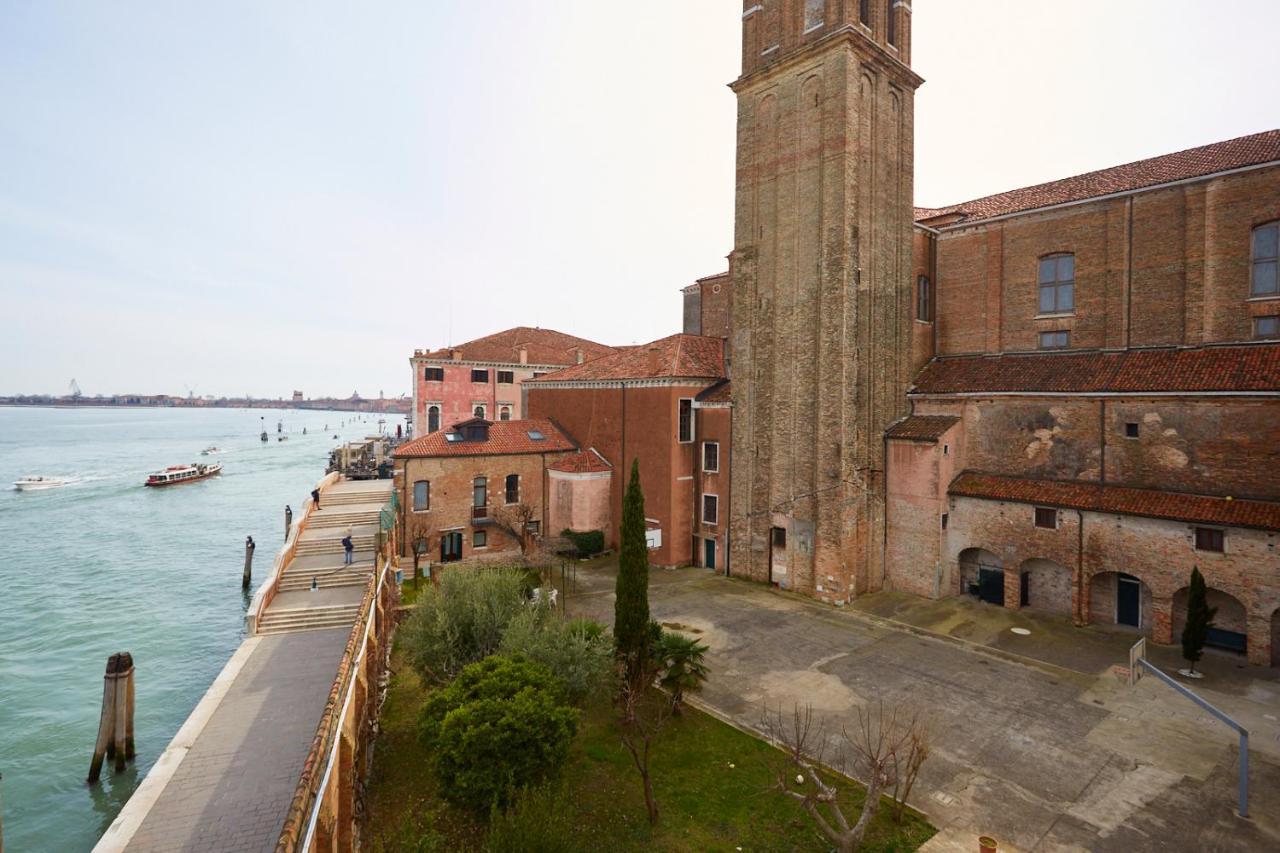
333,545
300,579
308,618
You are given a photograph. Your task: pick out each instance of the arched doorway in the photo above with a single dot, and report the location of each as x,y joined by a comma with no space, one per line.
982,575
1046,586
1116,598
1230,624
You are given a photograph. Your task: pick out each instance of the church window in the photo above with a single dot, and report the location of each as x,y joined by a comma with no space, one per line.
1266,258
1266,328
814,13
1058,284
1054,340
864,12
685,419
924,299
892,27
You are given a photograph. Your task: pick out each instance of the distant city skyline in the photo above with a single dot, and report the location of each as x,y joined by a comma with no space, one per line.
259,198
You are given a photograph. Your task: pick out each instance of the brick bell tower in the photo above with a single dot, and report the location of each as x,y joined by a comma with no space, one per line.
822,299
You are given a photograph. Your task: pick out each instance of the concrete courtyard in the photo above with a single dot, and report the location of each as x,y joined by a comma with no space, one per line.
1036,740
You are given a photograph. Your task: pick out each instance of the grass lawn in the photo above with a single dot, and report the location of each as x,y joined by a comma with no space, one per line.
711,783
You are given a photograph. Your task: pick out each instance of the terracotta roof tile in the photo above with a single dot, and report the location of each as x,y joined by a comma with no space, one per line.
544,346
721,392
1242,368
505,438
583,462
679,356
1193,163
922,427
1118,500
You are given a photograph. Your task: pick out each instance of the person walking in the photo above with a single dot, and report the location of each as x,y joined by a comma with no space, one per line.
315,498
347,547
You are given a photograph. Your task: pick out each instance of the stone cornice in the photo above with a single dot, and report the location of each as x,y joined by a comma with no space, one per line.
511,365
664,382
876,54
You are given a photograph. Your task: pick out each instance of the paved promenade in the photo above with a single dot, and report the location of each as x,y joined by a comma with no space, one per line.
226,780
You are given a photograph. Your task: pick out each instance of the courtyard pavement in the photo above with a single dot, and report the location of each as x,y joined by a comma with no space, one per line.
1036,740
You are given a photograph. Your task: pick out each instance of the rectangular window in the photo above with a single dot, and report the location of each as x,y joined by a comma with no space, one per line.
479,375
421,496
433,374
1210,539
533,528
924,299
1266,328
1131,430
710,509
480,539
685,424
944,521
1054,340
864,12
513,488
892,28
814,13
710,457
779,537
479,493
1266,258
1058,284
1047,517
506,377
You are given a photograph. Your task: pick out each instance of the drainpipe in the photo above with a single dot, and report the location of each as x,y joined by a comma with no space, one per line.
1081,604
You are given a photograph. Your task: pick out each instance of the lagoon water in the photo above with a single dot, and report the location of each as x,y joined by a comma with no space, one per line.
104,565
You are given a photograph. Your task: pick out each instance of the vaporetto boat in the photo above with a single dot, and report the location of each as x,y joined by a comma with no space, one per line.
175,474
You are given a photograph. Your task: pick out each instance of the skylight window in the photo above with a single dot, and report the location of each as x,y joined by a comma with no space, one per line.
452,437
537,435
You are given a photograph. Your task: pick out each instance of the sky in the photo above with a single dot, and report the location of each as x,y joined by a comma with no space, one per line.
256,197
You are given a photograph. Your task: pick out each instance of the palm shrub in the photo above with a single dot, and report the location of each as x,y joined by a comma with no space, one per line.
503,724
682,666
579,653
461,621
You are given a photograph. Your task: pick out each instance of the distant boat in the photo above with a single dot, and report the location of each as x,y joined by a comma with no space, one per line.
35,483
175,474
211,450
282,438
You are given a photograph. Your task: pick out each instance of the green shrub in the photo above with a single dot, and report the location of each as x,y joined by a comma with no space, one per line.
462,621
683,666
579,653
585,543
540,820
502,725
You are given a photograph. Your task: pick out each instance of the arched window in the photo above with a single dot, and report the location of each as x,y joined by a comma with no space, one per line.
422,496
433,418
1058,284
478,411
513,488
504,414
1266,258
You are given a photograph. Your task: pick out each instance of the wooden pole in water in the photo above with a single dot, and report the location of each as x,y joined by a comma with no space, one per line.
124,663
129,751
103,745
288,521
248,562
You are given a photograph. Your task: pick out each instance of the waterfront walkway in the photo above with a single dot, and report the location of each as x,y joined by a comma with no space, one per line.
226,780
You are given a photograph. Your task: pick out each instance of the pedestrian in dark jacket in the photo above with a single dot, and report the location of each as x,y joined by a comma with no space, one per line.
347,547
315,498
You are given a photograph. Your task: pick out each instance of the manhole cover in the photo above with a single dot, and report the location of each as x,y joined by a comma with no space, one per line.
1021,632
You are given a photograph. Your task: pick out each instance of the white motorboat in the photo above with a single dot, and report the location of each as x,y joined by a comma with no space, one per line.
211,450
35,483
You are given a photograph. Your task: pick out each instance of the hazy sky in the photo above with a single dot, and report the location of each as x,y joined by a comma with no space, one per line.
263,195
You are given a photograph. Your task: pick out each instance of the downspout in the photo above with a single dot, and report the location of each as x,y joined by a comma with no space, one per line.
1081,604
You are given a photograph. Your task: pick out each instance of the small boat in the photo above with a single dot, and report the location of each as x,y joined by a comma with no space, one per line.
34,483
211,450
175,474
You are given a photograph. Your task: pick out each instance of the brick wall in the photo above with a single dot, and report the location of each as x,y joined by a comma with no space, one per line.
714,424
458,396
578,502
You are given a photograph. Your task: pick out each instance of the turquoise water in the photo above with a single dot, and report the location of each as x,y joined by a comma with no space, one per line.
105,565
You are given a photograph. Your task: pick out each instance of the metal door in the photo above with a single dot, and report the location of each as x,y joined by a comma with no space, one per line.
709,553
1128,601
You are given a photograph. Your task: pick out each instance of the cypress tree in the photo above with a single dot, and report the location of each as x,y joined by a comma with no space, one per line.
1199,619
631,609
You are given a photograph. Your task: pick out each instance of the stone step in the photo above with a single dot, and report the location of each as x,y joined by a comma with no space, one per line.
342,520
354,498
303,618
333,546
302,580
317,625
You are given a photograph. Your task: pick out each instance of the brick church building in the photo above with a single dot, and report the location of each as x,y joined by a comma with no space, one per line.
1061,397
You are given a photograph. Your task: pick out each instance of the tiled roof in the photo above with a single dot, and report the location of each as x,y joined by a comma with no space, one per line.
922,427
679,356
1193,163
544,346
505,438
721,392
1243,368
583,462
1118,500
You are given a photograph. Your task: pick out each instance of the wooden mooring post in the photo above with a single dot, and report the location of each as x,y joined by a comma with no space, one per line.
248,562
115,726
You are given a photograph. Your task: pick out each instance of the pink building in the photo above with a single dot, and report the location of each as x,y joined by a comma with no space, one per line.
482,378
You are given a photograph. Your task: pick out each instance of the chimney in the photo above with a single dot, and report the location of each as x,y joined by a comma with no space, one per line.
456,354
578,352
653,361
524,355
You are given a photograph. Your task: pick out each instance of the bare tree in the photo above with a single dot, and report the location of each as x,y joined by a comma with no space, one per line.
643,717
514,520
420,532
886,747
